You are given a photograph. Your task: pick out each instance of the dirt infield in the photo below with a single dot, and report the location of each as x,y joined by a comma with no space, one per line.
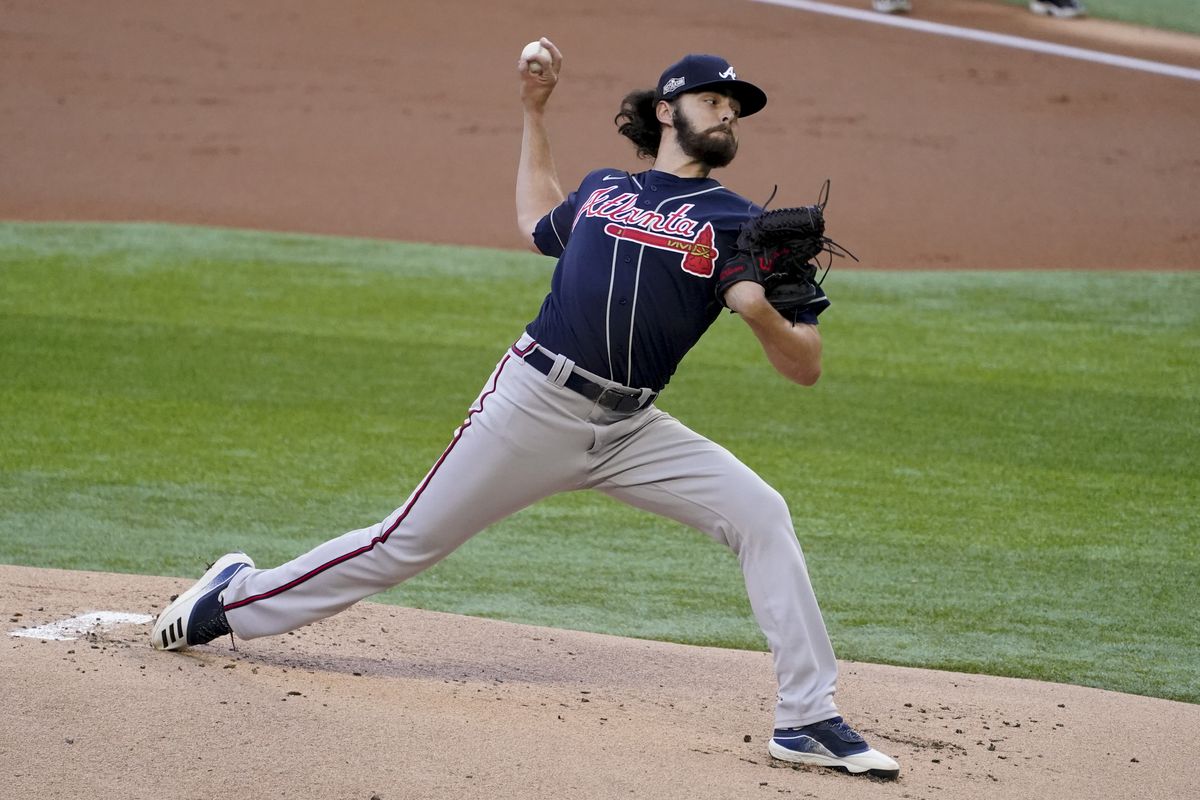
399,121
392,703
383,120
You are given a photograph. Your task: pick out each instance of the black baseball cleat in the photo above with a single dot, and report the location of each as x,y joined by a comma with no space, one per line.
197,616
1057,8
831,743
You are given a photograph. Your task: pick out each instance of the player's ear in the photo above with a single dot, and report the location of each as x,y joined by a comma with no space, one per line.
665,112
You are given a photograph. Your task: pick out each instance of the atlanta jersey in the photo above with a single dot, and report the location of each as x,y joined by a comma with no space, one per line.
635,284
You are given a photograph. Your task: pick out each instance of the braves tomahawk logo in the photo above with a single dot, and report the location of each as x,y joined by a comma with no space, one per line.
675,232
699,255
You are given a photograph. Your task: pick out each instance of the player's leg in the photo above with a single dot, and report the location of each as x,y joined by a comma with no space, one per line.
658,464
514,448
670,470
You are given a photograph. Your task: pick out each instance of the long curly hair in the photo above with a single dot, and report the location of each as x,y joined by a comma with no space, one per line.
638,123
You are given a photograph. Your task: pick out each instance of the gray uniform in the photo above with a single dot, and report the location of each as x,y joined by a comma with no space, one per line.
526,437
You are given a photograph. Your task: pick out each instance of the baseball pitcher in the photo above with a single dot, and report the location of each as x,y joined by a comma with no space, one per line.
646,261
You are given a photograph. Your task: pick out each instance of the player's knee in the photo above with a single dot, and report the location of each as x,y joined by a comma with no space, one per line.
762,515
771,504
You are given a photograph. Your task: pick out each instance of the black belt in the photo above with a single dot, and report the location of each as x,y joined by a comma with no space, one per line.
614,398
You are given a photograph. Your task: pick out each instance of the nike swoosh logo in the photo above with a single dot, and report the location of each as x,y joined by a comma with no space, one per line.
613,178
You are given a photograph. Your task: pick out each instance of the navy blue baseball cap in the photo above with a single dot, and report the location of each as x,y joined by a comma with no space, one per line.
695,72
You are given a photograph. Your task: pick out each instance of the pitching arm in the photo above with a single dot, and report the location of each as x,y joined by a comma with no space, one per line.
538,187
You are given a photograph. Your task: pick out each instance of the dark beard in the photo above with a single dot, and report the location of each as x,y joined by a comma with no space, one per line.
709,148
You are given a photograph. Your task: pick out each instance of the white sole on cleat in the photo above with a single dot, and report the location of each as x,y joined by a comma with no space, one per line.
872,762
1051,10
170,629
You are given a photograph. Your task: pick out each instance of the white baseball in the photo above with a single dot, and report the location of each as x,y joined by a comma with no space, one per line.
532,50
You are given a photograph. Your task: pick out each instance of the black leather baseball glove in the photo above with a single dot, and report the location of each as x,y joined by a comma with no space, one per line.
780,250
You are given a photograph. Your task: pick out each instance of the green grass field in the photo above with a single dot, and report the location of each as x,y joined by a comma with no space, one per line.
1178,15
998,472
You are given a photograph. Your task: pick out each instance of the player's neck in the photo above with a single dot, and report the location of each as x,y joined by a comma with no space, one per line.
681,166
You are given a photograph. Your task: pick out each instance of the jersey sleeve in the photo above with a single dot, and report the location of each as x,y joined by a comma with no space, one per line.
554,230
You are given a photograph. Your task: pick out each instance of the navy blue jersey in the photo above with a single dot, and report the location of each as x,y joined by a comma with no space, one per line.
638,258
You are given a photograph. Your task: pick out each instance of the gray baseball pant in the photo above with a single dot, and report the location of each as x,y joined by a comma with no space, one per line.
527,437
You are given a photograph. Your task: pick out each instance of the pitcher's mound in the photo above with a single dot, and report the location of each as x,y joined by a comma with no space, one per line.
393,703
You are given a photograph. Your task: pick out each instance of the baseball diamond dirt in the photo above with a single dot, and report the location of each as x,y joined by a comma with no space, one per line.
393,703
394,120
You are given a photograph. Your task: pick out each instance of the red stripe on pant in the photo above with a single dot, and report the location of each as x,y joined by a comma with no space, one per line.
383,537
